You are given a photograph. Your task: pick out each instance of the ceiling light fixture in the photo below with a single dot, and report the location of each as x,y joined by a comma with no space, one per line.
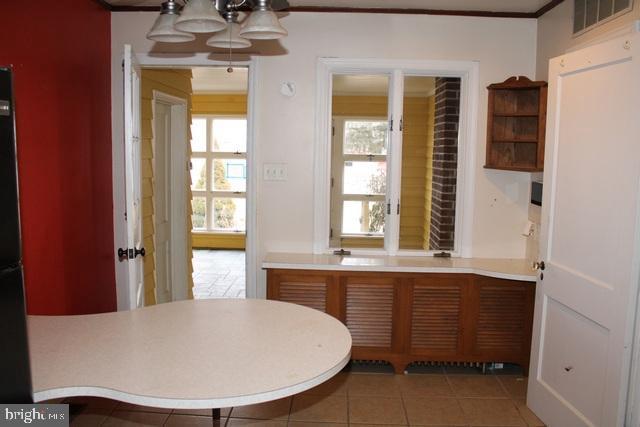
177,23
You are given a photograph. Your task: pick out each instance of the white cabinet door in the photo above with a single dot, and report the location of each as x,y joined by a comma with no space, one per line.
132,163
586,295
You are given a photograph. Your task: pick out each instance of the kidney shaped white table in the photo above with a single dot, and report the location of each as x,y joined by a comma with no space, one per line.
187,354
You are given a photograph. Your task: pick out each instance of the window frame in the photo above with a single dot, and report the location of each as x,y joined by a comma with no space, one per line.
338,183
209,193
598,23
468,72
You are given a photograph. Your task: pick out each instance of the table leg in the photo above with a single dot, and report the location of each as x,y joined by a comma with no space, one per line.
215,413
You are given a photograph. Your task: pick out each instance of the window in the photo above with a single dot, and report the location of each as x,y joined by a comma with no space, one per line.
359,184
588,13
389,142
219,173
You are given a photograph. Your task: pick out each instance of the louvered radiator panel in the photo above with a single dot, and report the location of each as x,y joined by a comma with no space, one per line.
369,314
435,322
312,295
501,319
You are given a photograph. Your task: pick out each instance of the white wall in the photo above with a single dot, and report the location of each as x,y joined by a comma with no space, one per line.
555,33
285,126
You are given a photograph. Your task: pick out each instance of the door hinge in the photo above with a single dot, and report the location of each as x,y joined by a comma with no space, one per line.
331,233
398,209
391,124
401,120
388,208
331,182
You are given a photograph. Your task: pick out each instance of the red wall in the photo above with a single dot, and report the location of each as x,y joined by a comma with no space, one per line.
60,53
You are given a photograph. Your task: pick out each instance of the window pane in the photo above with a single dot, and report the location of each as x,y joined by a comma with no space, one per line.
360,217
230,175
365,137
621,5
229,135
578,15
592,12
606,9
229,214
199,135
365,177
199,208
198,174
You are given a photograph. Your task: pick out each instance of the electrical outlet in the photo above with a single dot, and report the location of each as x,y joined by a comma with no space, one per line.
275,172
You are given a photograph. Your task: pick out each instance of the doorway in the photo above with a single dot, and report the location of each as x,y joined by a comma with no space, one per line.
219,181
170,121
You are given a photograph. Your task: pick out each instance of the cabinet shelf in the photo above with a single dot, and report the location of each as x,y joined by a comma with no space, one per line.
516,125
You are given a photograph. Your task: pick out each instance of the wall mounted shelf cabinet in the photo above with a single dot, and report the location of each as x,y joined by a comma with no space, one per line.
516,125
418,317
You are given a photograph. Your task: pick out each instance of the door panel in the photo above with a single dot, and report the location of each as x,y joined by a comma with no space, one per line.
573,374
589,242
369,311
132,160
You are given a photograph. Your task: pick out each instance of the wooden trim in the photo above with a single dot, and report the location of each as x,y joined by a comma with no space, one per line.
400,11
547,7
385,10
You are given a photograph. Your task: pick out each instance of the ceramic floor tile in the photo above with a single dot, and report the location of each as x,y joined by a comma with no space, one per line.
175,420
527,414
90,417
334,386
327,409
135,419
224,412
476,386
122,406
376,410
274,410
515,385
492,412
429,411
373,385
418,385
311,424
237,422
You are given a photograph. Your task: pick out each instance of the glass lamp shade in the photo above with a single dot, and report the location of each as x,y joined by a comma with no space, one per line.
163,31
200,16
263,25
229,38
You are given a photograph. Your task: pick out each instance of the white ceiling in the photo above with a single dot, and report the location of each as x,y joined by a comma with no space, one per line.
472,5
218,80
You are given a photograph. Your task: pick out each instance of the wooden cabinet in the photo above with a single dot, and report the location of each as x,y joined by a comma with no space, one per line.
516,125
409,317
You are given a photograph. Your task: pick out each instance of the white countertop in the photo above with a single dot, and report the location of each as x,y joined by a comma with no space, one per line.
187,354
513,269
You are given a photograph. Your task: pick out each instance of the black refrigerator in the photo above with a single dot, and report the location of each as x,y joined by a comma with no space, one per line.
15,374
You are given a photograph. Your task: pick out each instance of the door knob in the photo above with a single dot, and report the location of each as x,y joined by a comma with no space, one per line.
539,265
130,253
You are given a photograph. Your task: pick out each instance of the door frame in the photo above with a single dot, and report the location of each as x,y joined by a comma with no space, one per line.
177,61
179,161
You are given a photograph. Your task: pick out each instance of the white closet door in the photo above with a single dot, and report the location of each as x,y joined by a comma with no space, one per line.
589,242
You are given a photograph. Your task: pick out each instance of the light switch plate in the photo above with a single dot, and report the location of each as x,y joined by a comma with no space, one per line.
275,172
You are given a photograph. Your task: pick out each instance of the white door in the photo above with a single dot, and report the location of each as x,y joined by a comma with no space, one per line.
132,162
590,231
162,196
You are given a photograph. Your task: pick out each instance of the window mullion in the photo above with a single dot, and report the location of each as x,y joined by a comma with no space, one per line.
394,163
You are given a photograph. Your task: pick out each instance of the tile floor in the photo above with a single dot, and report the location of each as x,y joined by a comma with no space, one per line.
352,399
218,274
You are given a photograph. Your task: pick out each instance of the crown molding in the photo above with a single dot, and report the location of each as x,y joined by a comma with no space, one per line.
321,9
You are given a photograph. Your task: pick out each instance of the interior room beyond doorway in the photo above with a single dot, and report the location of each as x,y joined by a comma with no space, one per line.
218,168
